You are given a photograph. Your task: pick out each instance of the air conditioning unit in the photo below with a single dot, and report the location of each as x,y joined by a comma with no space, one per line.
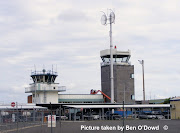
173,106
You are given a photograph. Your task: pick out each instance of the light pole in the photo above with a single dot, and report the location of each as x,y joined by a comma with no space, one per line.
142,63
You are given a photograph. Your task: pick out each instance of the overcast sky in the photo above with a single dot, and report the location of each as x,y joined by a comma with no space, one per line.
69,34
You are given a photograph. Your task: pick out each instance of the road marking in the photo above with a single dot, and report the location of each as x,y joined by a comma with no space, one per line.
72,121
21,128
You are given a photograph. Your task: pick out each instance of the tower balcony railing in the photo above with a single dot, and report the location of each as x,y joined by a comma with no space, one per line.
115,63
50,88
45,72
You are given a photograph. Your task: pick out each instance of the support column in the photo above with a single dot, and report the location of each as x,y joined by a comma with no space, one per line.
33,115
82,114
102,113
42,116
90,115
74,114
0,117
60,115
69,115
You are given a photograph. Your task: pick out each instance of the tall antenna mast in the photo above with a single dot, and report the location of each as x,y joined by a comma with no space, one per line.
35,68
56,67
111,19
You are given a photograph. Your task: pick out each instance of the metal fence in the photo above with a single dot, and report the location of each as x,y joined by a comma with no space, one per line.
16,120
24,120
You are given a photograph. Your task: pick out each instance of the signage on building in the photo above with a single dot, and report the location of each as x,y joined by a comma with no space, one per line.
53,120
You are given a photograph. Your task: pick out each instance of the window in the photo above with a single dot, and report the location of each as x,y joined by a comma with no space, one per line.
132,97
132,76
124,59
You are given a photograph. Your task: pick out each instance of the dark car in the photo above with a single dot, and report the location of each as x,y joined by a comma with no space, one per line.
114,116
158,114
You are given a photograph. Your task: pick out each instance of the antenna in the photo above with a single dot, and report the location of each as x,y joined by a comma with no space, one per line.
103,19
56,67
35,68
52,68
111,19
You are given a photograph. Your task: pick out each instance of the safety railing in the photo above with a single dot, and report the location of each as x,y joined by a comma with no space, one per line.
49,88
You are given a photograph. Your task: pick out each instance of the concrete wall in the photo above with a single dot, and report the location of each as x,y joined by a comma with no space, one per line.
175,109
122,81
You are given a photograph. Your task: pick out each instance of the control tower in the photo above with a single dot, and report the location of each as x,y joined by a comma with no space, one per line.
44,89
123,76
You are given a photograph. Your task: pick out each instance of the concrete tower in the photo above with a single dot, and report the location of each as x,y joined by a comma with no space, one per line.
44,89
123,76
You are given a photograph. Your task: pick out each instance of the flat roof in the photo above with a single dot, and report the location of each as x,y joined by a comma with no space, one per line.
104,105
120,106
175,99
22,106
119,54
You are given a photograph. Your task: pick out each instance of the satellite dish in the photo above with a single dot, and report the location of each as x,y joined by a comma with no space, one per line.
112,17
103,19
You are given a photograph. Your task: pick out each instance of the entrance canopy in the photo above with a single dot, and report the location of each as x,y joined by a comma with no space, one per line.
102,105
120,106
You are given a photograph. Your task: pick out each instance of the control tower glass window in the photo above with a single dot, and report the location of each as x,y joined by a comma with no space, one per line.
106,60
124,59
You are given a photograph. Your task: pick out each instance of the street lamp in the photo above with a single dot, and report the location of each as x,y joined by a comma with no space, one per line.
142,63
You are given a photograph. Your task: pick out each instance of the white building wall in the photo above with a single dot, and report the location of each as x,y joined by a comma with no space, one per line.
80,96
52,97
45,86
46,97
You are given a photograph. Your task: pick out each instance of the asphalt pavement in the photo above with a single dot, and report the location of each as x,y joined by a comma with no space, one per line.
97,126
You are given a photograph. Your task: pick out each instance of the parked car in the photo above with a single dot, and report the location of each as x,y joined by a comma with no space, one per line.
135,115
158,114
155,112
95,116
64,117
160,117
147,115
116,116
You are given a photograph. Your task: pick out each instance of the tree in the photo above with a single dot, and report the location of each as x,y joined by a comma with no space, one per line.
167,101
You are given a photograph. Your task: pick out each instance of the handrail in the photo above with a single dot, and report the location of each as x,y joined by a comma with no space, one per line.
115,63
50,88
46,72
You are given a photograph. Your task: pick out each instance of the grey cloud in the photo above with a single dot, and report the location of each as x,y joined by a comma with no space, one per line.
70,35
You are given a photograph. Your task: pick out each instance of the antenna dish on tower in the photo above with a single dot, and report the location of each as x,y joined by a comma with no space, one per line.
112,17
103,19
